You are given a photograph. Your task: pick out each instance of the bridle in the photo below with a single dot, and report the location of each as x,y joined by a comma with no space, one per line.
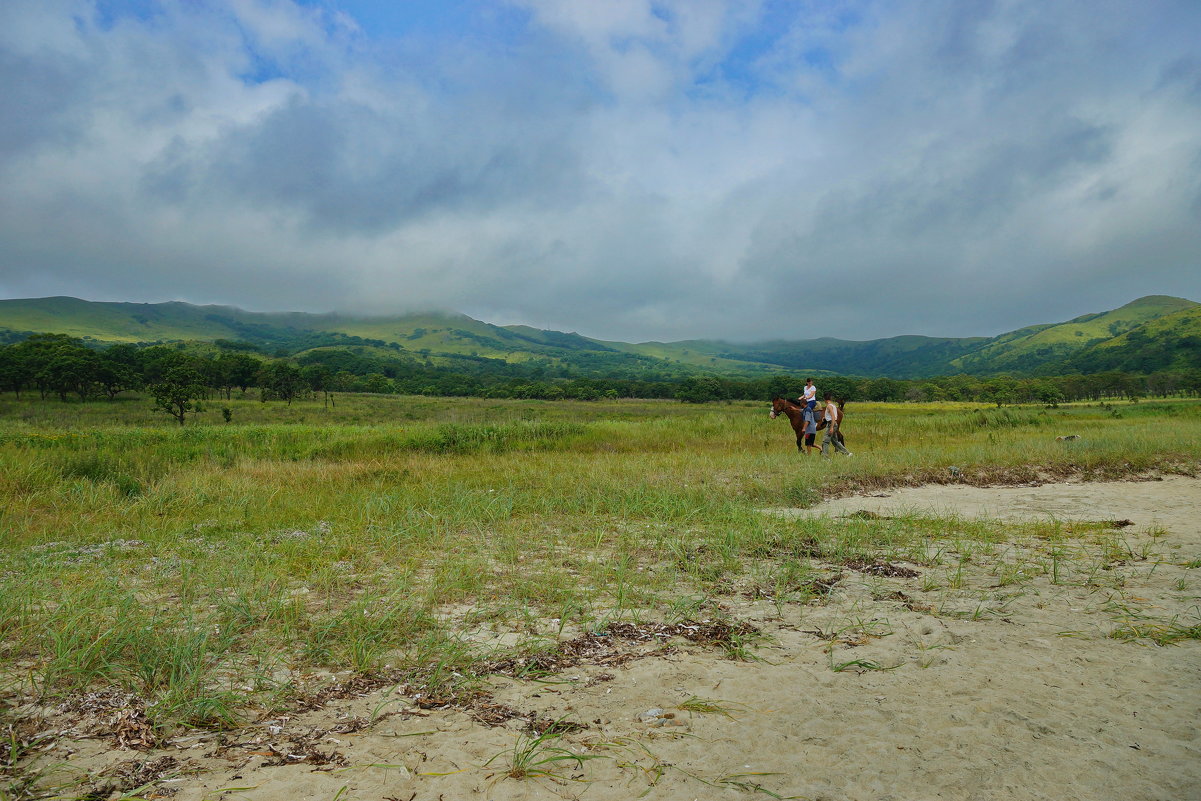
773,414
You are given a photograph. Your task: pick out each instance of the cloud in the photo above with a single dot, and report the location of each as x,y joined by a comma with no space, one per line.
631,170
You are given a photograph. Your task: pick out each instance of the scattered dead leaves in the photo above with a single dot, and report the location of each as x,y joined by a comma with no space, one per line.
295,749
909,603
541,725
881,568
492,714
357,686
133,774
114,713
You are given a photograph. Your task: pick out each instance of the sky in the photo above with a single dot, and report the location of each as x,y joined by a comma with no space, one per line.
629,169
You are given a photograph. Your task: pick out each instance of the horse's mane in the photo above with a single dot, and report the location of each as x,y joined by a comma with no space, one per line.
786,400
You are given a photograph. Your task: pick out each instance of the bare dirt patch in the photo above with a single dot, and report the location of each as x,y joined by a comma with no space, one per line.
1031,669
1173,502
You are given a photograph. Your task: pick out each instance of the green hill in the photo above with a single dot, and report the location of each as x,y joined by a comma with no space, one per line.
112,322
447,340
896,357
1031,350
1028,350
1167,343
712,356
1156,330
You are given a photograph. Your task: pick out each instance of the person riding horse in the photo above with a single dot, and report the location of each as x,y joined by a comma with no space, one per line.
808,396
804,423
801,418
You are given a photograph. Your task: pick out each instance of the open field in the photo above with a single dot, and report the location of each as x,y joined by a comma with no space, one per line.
415,597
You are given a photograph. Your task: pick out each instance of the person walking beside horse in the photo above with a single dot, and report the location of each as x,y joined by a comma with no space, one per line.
832,416
809,418
842,414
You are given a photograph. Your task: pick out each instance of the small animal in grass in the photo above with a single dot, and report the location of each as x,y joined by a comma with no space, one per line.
955,472
1067,438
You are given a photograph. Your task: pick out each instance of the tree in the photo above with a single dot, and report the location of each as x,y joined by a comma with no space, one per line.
700,389
159,360
884,389
229,370
320,378
345,381
785,386
239,369
37,352
281,380
933,391
377,383
118,370
961,387
1049,393
14,370
176,392
842,388
71,369
1000,390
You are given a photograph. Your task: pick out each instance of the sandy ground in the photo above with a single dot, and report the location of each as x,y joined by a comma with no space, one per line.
1173,502
953,685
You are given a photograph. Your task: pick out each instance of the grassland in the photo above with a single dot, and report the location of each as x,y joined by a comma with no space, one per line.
1028,347
222,571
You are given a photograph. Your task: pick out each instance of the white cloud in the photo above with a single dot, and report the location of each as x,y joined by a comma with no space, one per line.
629,169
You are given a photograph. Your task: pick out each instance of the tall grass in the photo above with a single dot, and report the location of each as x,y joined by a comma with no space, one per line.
204,567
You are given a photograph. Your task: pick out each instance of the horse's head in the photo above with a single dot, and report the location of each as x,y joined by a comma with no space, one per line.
778,405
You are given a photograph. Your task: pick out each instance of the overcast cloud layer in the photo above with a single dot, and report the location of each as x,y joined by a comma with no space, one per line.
631,169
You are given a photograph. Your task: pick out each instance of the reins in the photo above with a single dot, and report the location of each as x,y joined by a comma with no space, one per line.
787,404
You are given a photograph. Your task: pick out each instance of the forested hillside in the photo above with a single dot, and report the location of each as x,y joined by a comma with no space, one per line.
1166,343
1047,349
61,368
444,353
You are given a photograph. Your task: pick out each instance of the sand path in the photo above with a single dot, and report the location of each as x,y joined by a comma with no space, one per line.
994,690
1173,502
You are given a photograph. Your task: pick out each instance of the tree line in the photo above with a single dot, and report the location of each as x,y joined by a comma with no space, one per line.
59,366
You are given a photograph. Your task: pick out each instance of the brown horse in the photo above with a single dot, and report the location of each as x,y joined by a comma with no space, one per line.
793,411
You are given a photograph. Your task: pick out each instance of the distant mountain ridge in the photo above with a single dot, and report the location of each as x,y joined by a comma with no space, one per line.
1151,333
1032,348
